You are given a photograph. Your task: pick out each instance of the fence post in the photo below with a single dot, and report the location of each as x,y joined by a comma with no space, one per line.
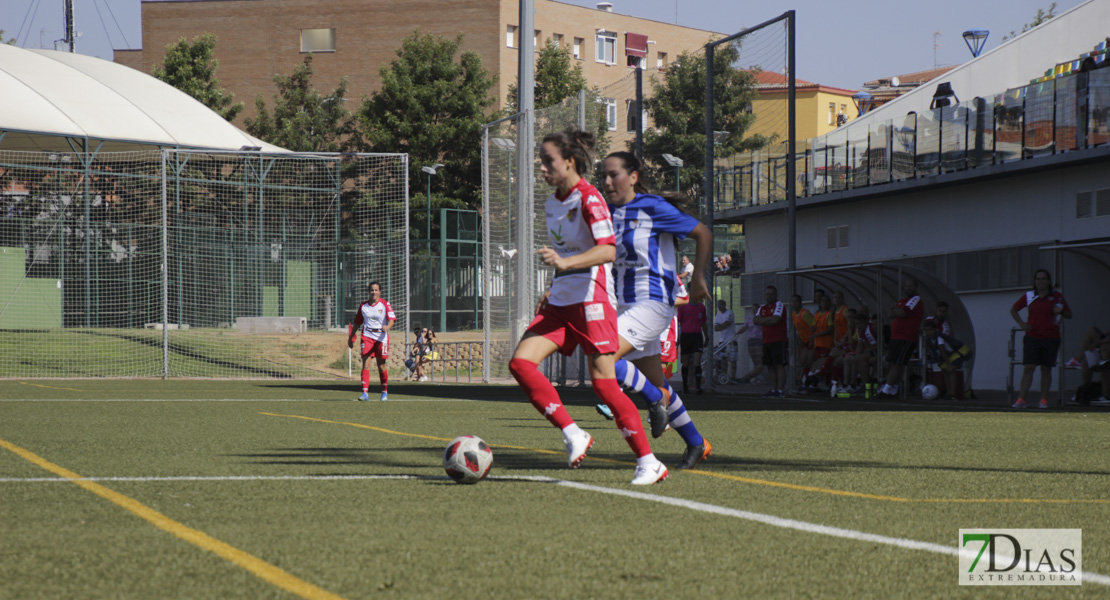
165,275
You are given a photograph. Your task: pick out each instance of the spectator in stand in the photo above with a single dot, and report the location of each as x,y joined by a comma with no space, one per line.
755,345
859,360
723,325
735,262
803,328
1041,343
694,327
905,324
1094,356
771,316
946,352
823,331
687,271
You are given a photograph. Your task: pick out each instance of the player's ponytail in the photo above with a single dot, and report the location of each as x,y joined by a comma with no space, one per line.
574,144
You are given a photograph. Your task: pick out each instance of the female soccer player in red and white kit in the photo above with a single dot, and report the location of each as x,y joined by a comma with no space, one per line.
580,307
374,319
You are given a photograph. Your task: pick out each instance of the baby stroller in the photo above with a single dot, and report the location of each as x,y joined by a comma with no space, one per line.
721,359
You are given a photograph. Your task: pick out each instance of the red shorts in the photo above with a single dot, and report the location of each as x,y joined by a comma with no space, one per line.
669,351
592,325
375,348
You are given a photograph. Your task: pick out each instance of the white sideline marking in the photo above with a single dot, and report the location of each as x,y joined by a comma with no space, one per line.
771,520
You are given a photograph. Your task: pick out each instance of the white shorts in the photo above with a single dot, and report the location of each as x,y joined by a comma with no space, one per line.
641,324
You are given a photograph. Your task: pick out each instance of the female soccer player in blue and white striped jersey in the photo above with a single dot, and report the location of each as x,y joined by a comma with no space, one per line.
645,278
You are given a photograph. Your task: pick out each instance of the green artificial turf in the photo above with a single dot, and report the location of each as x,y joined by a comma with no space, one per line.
914,474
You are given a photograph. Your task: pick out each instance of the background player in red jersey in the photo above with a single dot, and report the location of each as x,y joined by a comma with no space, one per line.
373,320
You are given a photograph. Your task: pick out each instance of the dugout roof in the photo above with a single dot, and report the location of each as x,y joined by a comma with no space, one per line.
48,97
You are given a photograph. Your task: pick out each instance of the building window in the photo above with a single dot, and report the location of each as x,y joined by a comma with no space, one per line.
578,47
832,112
318,40
537,38
636,62
837,237
606,47
611,112
661,60
558,39
510,36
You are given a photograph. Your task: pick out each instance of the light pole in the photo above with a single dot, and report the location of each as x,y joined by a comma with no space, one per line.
975,40
675,162
428,212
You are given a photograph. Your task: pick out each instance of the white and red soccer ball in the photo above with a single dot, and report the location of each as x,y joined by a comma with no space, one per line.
467,459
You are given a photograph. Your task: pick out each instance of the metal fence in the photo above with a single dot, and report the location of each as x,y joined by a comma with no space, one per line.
1064,114
147,263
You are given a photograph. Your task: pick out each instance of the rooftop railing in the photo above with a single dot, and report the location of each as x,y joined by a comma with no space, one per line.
1068,113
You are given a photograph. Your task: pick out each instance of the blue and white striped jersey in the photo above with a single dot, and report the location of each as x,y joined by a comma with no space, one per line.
646,230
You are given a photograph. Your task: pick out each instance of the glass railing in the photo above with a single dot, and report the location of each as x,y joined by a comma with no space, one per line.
1065,114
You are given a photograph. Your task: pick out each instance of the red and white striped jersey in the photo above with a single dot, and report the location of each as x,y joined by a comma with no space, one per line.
574,225
373,318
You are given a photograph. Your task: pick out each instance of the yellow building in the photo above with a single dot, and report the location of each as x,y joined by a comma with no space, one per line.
818,108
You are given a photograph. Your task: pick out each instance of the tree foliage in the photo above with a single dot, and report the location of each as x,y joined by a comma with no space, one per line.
432,104
303,119
192,69
1039,18
558,76
9,41
677,108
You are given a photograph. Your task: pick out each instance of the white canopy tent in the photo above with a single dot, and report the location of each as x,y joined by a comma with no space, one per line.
48,99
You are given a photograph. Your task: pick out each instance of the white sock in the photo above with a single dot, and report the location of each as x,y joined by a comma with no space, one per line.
646,460
572,431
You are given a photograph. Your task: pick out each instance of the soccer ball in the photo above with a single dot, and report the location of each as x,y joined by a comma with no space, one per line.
467,459
930,392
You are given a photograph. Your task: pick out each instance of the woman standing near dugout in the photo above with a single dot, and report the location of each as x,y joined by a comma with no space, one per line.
580,307
646,279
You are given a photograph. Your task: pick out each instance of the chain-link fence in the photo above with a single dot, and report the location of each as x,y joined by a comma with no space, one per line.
193,263
514,227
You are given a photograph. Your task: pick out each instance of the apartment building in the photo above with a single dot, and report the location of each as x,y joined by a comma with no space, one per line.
257,39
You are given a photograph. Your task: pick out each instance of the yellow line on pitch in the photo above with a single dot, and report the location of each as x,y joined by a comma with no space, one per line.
255,565
48,387
790,486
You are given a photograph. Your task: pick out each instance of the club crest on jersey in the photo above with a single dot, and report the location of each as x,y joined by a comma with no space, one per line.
572,213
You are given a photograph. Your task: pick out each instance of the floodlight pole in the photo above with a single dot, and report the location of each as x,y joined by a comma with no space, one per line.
526,146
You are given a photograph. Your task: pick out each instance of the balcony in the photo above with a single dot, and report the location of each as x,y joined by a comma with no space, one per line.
1064,117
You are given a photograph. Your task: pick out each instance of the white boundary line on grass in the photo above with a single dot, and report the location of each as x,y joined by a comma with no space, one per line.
771,520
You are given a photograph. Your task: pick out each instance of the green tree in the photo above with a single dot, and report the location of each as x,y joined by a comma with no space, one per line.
1039,18
304,120
9,41
191,69
677,108
432,104
558,76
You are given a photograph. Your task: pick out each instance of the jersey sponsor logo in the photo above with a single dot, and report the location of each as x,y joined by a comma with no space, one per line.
595,312
558,235
602,229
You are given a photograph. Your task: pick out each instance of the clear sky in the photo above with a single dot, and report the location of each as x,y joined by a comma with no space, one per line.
840,44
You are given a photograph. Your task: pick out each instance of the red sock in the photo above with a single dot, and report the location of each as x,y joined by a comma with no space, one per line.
540,392
383,376
625,413
365,380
